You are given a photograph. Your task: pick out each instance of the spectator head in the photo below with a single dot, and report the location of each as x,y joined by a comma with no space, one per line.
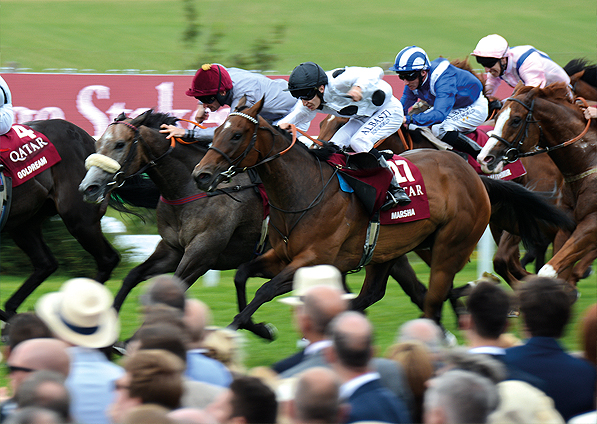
155,376
165,289
25,326
424,330
544,306
316,398
191,416
81,313
351,334
36,355
197,317
248,400
459,397
34,415
45,389
460,359
148,414
488,306
162,336
227,346
588,333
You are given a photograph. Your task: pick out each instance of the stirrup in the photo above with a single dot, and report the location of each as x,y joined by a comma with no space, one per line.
395,198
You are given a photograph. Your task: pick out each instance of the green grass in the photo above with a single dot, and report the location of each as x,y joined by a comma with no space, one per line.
148,35
387,315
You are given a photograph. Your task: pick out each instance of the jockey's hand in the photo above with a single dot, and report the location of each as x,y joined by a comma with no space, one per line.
355,93
202,114
172,131
590,112
284,126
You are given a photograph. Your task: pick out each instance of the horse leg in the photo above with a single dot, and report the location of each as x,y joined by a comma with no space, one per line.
405,275
374,286
506,259
163,260
30,240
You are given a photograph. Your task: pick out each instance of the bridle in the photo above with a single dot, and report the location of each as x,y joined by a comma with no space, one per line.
233,168
513,152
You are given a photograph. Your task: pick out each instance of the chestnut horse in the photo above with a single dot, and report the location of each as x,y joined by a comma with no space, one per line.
313,222
535,121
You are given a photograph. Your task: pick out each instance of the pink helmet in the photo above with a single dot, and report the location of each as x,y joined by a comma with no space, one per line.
210,80
493,45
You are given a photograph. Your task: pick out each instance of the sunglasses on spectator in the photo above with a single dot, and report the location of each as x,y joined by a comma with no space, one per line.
206,99
486,62
13,368
409,76
306,94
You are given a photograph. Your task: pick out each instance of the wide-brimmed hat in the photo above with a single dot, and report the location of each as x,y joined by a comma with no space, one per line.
311,276
81,313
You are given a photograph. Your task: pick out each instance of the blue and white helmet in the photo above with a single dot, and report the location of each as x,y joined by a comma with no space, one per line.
411,59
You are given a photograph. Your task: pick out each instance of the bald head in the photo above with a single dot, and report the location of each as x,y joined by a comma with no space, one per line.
317,396
39,354
197,316
321,304
165,289
424,330
352,338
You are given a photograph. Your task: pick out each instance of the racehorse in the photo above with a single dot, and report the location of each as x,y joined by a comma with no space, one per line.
55,192
199,231
535,121
314,222
583,78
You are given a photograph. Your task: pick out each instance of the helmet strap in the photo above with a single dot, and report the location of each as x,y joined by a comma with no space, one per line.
502,66
221,98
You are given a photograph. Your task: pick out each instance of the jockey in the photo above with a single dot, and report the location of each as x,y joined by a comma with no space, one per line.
456,97
513,64
215,86
6,112
359,94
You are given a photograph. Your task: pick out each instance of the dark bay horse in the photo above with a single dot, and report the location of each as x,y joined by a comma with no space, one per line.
313,222
55,192
199,231
535,121
583,78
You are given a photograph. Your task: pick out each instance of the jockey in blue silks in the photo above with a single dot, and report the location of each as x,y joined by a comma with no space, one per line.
455,95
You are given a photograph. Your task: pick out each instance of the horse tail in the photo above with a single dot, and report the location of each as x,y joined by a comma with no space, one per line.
523,212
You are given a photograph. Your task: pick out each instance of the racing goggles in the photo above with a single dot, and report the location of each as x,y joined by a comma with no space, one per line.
409,76
305,94
206,99
486,62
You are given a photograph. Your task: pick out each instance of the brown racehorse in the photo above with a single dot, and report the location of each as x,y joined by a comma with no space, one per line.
313,222
546,120
583,78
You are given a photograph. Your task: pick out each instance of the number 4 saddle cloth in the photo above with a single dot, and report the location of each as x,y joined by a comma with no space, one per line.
26,153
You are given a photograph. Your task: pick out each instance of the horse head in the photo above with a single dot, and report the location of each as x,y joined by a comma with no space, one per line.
233,149
519,129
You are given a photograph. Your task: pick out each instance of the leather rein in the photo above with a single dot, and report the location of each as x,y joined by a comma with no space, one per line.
513,153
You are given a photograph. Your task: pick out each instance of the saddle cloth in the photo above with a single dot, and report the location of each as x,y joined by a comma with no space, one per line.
512,170
26,153
408,176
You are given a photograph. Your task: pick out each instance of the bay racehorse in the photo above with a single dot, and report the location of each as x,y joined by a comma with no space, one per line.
313,222
55,192
200,231
546,121
583,78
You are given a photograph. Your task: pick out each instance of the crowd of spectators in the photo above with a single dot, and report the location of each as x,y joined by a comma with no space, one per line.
61,370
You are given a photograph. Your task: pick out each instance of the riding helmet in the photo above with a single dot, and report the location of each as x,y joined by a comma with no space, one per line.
307,75
492,45
411,59
210,80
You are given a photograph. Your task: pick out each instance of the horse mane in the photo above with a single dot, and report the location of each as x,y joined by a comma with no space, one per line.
582,64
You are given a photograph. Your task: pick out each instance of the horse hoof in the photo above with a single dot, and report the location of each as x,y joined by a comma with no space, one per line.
266,331
588,273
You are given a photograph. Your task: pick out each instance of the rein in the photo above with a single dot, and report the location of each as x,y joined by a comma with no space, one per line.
513,152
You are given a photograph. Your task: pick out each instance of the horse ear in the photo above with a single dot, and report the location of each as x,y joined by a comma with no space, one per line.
241,103
139,120
256,108
518,87
120,117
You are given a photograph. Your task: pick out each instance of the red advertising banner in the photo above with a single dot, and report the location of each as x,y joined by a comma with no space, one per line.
92,101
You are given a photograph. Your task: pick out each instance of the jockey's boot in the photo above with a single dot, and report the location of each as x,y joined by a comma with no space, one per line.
396,195
462,142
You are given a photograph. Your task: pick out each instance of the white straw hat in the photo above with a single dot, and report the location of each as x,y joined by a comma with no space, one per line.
311,276
81,313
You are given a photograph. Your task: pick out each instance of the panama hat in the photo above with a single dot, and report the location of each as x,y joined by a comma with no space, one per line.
311,276
81,313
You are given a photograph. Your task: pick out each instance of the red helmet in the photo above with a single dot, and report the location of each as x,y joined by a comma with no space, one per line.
209,80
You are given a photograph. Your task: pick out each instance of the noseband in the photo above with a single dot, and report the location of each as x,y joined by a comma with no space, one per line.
513,153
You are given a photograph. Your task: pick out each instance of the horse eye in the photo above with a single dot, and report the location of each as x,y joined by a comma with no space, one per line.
119,145
515,121
237,136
